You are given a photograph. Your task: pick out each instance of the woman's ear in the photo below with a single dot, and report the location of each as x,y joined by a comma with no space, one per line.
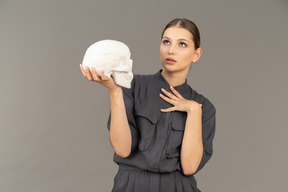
197,55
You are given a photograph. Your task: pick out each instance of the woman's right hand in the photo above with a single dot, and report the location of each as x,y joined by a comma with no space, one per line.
109,83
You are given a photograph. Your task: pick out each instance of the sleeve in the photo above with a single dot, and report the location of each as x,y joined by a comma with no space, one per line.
128,96
208,132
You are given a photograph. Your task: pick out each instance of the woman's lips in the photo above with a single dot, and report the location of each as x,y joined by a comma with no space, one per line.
170,61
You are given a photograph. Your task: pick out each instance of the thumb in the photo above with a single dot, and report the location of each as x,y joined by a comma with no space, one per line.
168,109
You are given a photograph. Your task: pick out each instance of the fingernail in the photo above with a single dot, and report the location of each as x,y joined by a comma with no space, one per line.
160,94
162,89
171,87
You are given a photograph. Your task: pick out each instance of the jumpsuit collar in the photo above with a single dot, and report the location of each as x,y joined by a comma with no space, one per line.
180,88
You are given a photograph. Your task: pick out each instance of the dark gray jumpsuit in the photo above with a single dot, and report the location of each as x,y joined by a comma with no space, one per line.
154,163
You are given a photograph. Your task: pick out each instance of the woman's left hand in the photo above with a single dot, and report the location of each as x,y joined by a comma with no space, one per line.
180,103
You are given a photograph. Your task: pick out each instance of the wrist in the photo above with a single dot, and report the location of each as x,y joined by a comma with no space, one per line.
115,91
194,108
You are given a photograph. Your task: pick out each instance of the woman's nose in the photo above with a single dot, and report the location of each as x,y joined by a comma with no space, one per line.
171,50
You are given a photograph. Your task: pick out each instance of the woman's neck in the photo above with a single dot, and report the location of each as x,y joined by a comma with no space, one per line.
174,78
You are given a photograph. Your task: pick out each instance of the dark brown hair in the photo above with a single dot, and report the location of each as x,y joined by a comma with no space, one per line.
186,24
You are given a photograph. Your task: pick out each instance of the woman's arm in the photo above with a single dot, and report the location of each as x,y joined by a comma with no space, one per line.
192,144
120,133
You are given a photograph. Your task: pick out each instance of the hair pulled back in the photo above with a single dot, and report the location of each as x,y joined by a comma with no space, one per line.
186,24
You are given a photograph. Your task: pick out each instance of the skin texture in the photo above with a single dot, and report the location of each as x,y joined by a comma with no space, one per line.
176,44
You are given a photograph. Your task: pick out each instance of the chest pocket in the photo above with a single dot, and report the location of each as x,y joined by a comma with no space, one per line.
146,125
176,135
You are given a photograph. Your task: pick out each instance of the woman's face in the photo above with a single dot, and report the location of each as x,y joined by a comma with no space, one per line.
177,50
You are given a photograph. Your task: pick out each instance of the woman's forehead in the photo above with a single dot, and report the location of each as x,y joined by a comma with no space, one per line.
176,33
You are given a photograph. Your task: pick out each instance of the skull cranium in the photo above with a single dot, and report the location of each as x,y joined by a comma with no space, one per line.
113,57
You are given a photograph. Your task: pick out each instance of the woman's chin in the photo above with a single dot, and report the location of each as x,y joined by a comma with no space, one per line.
174,69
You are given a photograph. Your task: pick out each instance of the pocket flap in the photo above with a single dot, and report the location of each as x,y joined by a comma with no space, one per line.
178,124
152,117
146,124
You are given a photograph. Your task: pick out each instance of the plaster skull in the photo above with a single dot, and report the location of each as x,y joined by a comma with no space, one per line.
113,57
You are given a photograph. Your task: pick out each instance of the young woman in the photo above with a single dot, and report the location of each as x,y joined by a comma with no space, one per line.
161,129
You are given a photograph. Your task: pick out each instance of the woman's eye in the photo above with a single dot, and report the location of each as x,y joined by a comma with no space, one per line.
183,44
166,42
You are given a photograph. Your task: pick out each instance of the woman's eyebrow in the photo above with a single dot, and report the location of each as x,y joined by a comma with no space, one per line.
177,40
183,40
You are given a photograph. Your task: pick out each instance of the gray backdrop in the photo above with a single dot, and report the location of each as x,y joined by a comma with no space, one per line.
53,134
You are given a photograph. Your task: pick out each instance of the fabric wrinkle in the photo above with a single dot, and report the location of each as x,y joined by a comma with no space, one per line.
154,163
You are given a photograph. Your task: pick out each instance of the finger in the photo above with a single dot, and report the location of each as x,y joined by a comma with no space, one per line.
103,76
167,99
82,70
94,74
88,73
168,109
176,93
169,94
